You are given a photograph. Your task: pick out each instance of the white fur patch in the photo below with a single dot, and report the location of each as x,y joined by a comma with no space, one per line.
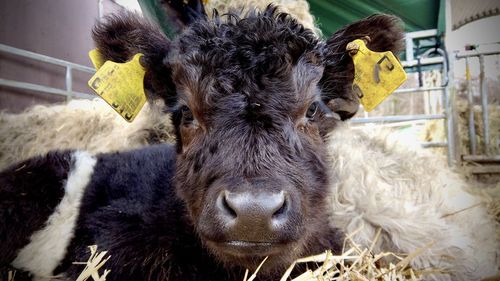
47,246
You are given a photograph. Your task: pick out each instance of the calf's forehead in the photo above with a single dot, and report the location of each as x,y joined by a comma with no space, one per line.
255,60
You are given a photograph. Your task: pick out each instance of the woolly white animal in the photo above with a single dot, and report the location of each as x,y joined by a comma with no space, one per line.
91,125
420,205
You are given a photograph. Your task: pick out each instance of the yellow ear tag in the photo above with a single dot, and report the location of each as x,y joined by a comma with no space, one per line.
121,86
96,58
376,75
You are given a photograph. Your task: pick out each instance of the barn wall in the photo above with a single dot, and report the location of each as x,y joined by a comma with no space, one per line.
57,28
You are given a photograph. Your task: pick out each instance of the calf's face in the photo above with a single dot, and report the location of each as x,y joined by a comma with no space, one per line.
251,164
252,101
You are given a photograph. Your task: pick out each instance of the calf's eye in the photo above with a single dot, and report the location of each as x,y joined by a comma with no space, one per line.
187,115
311,111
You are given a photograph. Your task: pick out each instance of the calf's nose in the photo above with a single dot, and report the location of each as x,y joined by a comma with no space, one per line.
250,215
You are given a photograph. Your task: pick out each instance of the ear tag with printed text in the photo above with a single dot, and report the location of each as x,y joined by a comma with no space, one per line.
376,75
121,86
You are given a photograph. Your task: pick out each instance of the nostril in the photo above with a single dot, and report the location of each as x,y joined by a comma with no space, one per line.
282,206
281,211
224,206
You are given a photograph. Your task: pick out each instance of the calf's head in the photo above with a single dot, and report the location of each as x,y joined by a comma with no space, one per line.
252,101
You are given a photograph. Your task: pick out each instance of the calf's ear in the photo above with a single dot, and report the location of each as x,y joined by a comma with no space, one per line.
385,33
119,37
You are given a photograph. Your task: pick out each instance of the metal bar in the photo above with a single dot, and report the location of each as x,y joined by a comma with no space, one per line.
397,124
450,109
481,158
449,96
476,54
483,87
445,57
424,61
450,126
40,88
484,169
69,82
43,58
409,47
397,118
472,129
422,89
422,33
434,144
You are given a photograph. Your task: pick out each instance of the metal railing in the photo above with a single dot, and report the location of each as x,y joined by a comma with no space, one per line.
446,116
69,67
486,155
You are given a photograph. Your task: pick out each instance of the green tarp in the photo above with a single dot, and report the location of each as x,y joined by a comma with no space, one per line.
417,14
332,14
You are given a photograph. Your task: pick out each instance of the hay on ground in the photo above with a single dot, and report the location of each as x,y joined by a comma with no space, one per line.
95,262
